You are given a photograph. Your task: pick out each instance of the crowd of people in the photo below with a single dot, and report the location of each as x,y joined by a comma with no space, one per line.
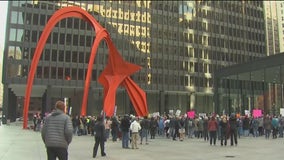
180,127
133,130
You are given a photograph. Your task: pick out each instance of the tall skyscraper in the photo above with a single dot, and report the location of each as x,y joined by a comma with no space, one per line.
179,44
272,30
280,18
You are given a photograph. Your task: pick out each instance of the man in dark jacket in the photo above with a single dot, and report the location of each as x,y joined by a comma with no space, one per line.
124,127
99,133
57,133
145,125
233,129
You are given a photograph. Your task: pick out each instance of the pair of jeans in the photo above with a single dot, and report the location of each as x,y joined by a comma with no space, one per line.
144,134
233,135
223,137
267,133
213,137
125,139
56,152
114,133
246,132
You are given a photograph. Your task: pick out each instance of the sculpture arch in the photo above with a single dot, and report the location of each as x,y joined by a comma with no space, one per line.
116,73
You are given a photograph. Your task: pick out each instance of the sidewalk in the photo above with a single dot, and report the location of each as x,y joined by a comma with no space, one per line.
19,144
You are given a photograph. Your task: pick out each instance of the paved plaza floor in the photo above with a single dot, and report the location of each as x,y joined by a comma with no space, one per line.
21,144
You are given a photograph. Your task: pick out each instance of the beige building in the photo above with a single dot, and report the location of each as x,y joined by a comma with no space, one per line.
272,31
280,13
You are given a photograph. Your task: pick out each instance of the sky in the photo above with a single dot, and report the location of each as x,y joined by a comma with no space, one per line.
3,16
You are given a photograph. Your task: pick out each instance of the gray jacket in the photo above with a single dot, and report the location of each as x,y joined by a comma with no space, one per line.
57,130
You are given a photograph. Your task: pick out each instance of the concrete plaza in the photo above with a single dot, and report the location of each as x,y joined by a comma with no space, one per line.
19,144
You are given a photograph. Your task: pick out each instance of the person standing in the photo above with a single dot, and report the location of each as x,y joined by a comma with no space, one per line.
224,128
114,128
275,125
191,128
181,123
233,129
205,129
176,128
124,127
212,128
153,127
57,132
145,125
107,126
134,128
35,121
246,126
267,125
99,134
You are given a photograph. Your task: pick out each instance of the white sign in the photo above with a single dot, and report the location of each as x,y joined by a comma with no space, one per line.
282,111
178,112
156,114
247,112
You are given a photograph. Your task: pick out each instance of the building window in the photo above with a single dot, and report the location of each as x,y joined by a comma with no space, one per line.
63,23
54,55
74,57
69,39
46,72
60,73
35,19
47,55
81,57
42,19
75,40
53,71
82,40
39,72
34,36
54,38
12,36
68,56
62,38
61,56
67,74
74,74
81,74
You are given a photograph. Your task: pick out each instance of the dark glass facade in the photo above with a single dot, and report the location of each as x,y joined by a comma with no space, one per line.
179,45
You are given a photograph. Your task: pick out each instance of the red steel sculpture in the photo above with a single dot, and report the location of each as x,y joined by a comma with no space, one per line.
116,73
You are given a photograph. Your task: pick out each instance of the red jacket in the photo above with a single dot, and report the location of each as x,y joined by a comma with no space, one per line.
212,125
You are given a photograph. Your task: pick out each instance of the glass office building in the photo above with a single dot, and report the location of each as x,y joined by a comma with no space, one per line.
179,44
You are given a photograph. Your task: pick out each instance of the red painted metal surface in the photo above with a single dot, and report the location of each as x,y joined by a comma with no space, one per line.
116,73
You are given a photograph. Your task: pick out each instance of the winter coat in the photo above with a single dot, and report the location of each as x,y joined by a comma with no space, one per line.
135,127
212,125
99,129
57,130
233,123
